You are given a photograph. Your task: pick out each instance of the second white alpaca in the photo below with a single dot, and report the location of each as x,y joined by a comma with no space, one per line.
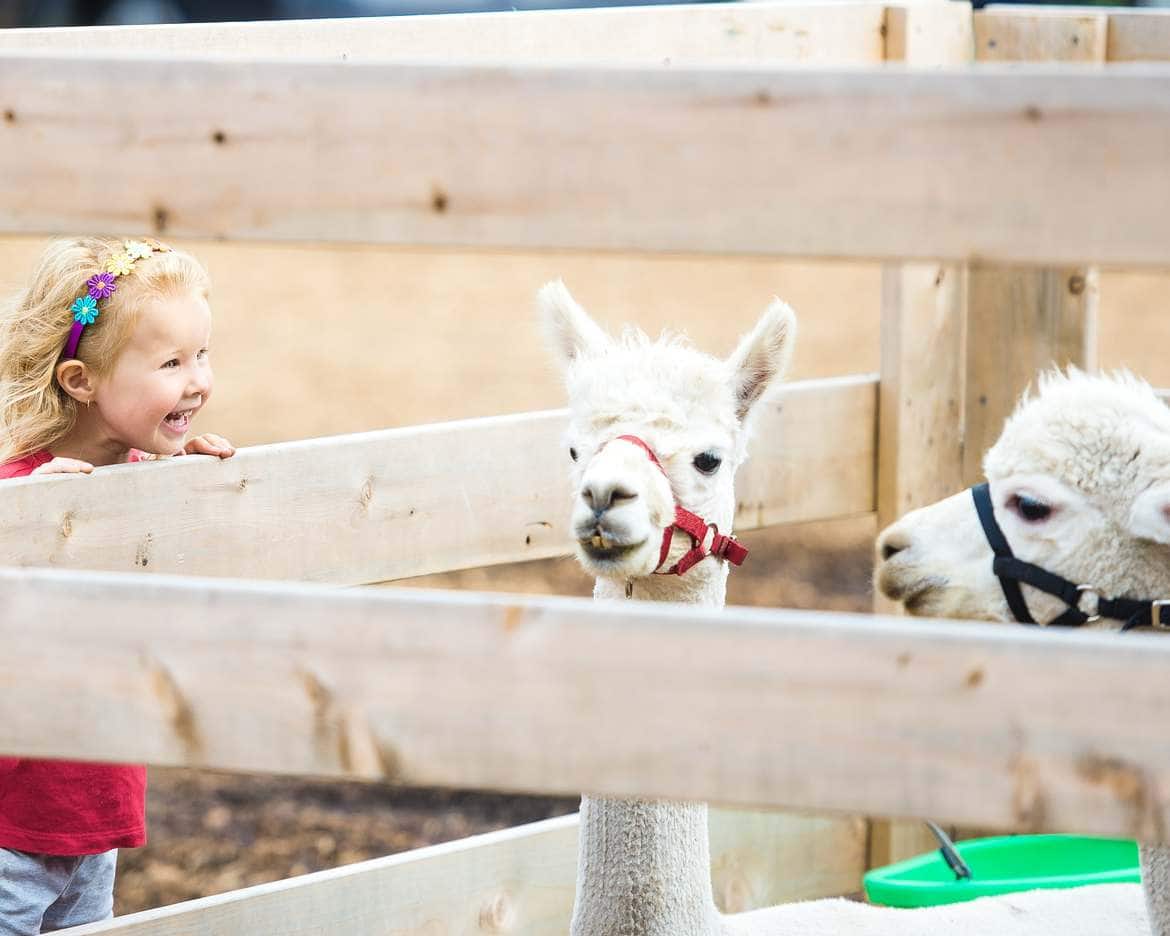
1080,485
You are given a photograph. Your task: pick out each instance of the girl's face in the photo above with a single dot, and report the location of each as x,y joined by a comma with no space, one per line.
162,378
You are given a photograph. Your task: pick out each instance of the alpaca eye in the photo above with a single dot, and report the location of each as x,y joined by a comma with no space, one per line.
572,453
707,462
1030,508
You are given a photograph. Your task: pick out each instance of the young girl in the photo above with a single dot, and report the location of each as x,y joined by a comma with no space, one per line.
103,359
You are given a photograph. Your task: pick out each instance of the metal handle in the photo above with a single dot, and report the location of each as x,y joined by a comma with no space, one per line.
950,854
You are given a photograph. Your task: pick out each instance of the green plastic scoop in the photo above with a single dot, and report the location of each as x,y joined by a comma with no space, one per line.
1004,864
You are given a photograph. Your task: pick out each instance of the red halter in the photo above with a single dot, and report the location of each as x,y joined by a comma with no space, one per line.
706,540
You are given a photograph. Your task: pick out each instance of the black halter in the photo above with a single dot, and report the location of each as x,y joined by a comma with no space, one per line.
1011,571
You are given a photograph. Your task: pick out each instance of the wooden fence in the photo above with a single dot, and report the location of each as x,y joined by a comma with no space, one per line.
987,191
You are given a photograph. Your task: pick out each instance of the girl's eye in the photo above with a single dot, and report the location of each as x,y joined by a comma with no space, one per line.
572,453
1031,509
707,462
202,353
173,362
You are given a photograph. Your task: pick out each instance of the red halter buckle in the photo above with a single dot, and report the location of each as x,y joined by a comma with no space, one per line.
706,540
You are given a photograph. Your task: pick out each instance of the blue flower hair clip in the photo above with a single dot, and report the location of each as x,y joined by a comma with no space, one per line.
85,310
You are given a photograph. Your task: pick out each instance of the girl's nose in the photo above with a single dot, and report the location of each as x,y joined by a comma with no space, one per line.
199,381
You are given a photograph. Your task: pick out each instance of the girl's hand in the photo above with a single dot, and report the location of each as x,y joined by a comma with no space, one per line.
209,444
64,466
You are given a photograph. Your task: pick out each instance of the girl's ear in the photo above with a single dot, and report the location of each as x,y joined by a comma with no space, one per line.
762,357
76,380
572,334
1150,516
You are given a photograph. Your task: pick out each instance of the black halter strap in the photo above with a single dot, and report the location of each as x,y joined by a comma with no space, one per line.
1135,612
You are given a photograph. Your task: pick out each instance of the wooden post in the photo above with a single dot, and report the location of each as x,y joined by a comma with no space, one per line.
1020,322
920,396
920,438
920,400
938,414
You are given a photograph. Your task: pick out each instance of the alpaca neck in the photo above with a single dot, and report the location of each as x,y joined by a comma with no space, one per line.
644,866
705,584
643,869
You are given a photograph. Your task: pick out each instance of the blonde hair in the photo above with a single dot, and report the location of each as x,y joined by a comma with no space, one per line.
34,325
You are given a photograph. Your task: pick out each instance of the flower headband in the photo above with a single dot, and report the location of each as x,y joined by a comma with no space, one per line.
103,285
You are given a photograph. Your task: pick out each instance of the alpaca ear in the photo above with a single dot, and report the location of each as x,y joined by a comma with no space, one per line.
763,356
1150,516
571,332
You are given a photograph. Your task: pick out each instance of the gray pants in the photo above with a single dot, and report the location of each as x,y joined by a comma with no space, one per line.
42,893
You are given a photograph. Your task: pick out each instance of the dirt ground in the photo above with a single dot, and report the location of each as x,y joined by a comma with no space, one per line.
215,832
314,342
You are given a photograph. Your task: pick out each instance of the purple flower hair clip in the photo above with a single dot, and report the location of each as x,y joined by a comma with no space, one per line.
101,286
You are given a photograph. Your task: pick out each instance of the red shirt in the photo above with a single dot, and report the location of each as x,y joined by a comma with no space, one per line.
25,466
65,807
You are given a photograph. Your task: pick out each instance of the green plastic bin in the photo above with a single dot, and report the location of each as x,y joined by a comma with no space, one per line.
1004,864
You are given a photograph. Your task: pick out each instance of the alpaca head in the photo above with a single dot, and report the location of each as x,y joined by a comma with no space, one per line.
689,407
1080,485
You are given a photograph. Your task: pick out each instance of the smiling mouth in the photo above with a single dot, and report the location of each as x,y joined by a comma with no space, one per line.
179,420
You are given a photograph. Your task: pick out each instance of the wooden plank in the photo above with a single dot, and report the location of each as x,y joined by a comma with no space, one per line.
929,35
920,397
1139,36
1038,36
207,153
921,391
803,426
813,33
375,506
518,880
1018,324
962,723
1134,35
760,859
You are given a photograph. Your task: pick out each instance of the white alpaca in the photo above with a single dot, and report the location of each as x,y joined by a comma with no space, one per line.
644,866
1079,482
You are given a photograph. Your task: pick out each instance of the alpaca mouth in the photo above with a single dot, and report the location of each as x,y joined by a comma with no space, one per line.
907,591
913,596
914,601
600,548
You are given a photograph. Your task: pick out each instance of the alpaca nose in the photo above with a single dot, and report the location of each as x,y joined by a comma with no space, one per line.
601,496
892,542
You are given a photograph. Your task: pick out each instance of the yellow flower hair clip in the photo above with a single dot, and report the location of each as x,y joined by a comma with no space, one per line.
120,264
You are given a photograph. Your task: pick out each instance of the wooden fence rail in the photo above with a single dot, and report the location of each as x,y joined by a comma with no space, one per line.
816,33
1073,33
972,724
824,160
384,505
519,880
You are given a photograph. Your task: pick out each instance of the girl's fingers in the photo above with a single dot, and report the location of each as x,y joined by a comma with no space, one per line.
223,448
64,466
209,444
